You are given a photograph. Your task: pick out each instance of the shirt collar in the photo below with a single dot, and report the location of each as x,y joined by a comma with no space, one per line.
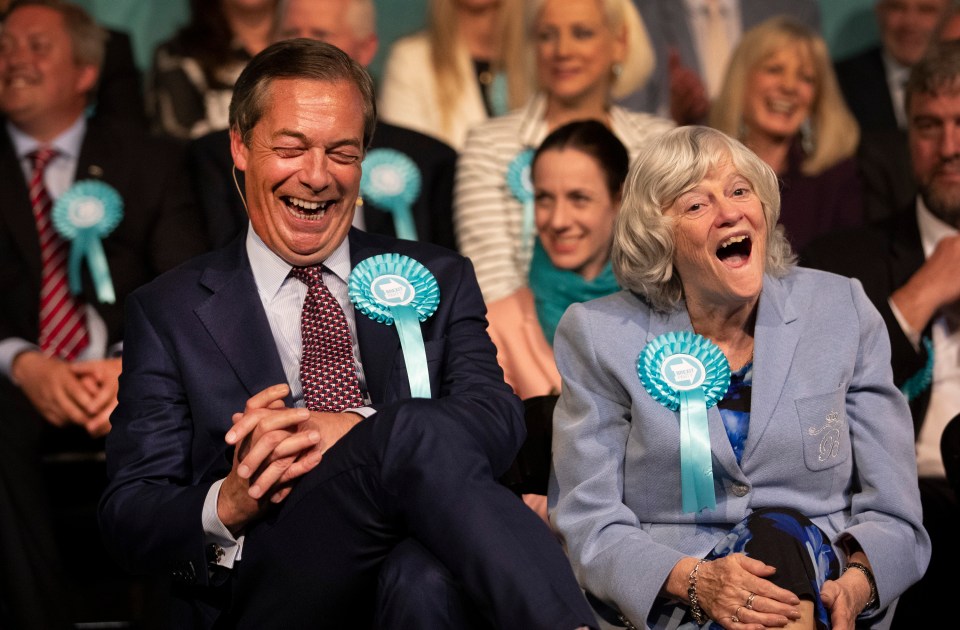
67,143
270,270
932,228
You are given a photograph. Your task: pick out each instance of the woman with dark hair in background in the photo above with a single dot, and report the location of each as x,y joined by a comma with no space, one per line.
191,82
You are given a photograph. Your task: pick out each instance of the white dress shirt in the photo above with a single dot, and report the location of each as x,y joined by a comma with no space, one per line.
57,178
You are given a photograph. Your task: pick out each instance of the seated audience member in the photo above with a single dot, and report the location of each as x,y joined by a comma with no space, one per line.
873,81
873,85
191,81
493,209
780,98
418,182
908,266
693,40
466,66
577,177
119,91
275,445
796,505
73,189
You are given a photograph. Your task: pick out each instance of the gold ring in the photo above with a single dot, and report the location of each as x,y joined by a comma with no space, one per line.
749,604
735,619
737,614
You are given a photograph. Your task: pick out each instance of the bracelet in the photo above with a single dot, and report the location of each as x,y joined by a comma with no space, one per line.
699,617
867,573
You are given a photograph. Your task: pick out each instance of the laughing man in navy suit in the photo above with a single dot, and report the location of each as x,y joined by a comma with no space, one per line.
272,515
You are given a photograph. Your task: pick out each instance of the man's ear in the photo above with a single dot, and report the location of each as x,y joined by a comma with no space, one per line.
367,50
238,150
87,80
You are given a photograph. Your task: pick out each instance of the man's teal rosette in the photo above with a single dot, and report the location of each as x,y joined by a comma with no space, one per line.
686,371
391,288
521,187
392,181
83,215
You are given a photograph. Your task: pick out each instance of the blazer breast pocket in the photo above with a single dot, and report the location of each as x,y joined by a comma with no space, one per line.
823,429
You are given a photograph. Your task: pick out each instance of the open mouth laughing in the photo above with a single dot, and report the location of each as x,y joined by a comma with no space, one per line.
735,250
305,209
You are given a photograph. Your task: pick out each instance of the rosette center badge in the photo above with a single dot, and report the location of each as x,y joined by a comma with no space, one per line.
85,212
392,290
683,372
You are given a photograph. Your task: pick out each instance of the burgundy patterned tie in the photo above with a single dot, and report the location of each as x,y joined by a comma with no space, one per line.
327,371
63,331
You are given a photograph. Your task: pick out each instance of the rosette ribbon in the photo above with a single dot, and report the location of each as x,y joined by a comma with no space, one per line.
83,215
392,181
686,371
521,187
391,288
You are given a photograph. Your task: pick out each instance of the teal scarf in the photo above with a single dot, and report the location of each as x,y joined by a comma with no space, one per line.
556,289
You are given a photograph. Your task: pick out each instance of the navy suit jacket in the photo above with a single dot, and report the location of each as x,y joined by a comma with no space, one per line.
199,345
863,81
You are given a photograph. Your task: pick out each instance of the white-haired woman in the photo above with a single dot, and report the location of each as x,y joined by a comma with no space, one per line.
729,444
588,52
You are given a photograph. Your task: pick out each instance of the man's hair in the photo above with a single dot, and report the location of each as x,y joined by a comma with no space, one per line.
297,59
937,71
87,38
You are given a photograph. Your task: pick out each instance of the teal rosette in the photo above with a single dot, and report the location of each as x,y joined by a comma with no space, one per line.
521,187
83,215
392,181
396,289
687,372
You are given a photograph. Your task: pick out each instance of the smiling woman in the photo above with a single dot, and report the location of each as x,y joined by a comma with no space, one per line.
705,427
780,98
587,52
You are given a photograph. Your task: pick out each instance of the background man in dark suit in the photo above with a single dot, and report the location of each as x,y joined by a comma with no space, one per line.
221,353
350,25
908,267
873,86
49,63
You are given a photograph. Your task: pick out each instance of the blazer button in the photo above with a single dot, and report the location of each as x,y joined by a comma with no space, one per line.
741,489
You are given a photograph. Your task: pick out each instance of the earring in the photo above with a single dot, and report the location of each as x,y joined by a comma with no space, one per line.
807,140
617,69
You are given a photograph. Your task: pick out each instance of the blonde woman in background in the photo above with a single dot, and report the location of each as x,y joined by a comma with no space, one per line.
467,65
588,52
780,97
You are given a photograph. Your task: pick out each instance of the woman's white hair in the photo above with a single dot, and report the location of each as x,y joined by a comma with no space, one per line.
643,240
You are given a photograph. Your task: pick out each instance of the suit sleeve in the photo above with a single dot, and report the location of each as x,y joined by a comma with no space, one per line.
885,513
590,427
150,512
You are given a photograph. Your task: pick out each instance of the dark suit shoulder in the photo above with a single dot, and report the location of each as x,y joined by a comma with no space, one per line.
413,143
852,252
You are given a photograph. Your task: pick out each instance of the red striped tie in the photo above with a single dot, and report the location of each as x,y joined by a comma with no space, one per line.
63,331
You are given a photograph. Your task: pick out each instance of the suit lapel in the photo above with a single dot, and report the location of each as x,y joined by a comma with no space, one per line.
776,336
906,249
233,316
379,343
15,209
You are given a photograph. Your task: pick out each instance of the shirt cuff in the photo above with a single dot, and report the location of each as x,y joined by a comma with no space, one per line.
10,348
216,533
366,412
913,336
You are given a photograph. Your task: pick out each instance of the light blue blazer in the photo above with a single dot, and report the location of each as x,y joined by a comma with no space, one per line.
829,436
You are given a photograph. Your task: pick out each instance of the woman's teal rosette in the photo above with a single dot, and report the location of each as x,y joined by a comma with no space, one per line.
521,187
391,288
686,371
83,215
392,181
